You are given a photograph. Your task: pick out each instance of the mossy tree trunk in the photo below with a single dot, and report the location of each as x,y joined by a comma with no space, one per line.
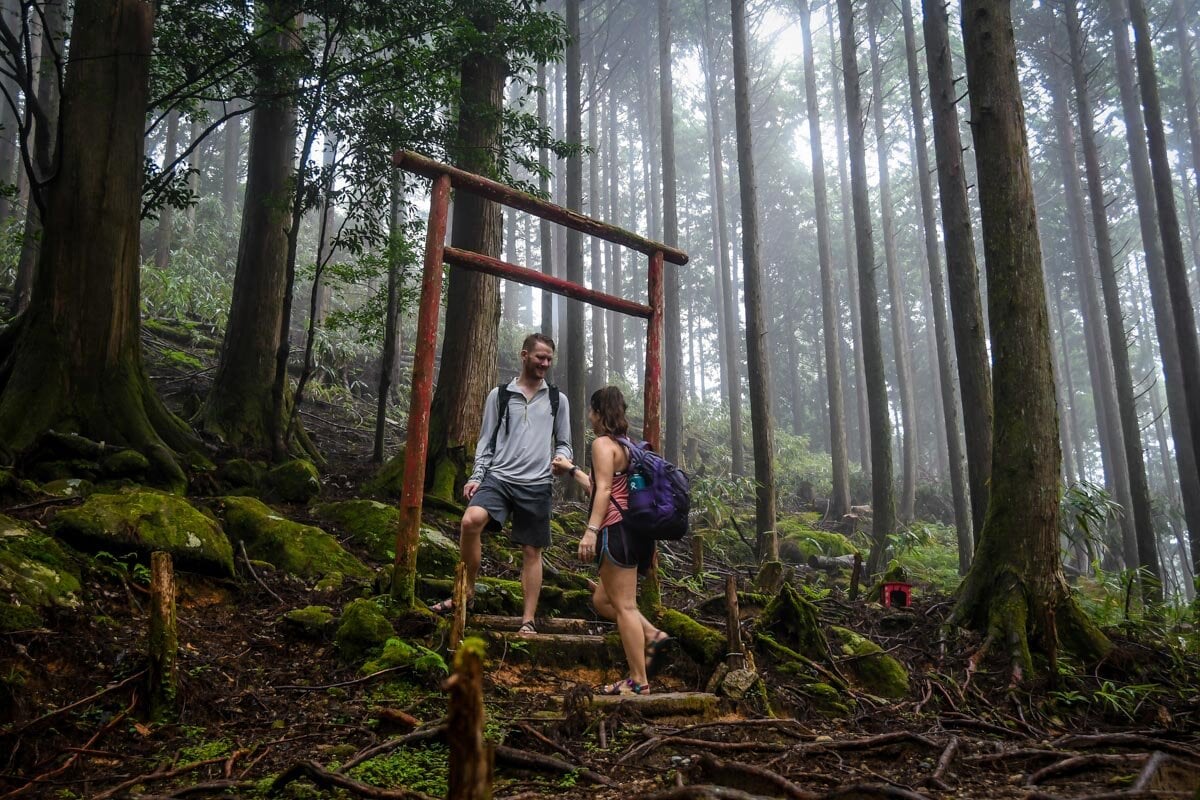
468,368
75,358
1015,589
240,408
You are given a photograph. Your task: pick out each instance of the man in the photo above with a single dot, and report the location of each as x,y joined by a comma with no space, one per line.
522,431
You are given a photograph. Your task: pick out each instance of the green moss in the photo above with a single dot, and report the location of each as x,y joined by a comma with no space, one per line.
798,541
792,620
399,653
12,488
424,769
68,487
575,603
18,618
389,480
295,481
300,549
445,475
373,526
330,583
125,464
363,630
703,645
239,472
873,669
49,471
826,700
314,621
144,520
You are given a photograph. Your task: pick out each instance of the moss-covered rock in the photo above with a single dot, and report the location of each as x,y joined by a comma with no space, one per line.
798,540
702,644
792,621
35,570
399,653
363,630
389,480
873,669
240,473
18,618
125,464
295,481
68,487
144,520
373,525
299,549
313,621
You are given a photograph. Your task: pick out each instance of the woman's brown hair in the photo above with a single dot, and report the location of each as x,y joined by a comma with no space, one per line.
609,405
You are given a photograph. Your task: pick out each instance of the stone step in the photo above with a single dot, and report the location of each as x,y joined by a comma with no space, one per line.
581,627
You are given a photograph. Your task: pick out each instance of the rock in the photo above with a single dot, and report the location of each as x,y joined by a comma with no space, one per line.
240,473
798,541
702,644
125,464
313,621
873,669
299,549
363,630
144,520
68,487
330,583
738,683
373,526
295,481
389,480
35,572
399,653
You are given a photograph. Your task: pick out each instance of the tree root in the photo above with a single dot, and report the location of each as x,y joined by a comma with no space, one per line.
332,780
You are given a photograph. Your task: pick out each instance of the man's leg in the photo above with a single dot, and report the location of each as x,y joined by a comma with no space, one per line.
531,579
470,545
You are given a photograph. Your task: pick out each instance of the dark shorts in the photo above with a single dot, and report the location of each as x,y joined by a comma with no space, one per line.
527,504
624,549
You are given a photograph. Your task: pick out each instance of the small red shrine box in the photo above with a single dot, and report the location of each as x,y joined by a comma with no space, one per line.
897,594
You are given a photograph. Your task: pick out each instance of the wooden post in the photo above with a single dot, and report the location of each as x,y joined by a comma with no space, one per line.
855,574
471,756
736,658
409,533
652,423
164,637
458,621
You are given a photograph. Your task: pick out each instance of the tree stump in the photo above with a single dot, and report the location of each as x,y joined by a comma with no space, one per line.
458,620
471,757
164,638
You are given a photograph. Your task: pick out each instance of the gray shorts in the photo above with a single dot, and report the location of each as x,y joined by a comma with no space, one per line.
527,504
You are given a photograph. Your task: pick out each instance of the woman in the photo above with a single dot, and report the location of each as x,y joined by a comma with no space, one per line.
620,556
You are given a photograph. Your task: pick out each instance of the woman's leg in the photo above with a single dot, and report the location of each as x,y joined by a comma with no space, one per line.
620,585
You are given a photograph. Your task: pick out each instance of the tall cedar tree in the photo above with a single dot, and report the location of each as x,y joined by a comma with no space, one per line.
672,331
839,498
727,321
468,368
1147,547
970,338
757,363
1016,590
882,501
241,408
1164,320
575,333
73,361
945,359
901,341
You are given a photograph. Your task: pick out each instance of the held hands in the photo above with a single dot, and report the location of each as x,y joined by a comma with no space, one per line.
561,465
587,547
470,488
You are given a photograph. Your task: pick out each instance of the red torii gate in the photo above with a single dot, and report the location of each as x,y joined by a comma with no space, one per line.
444,178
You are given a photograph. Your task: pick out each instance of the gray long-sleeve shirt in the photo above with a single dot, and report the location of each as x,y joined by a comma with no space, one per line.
524,451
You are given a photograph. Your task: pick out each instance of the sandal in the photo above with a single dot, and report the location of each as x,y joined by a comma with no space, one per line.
445,607
625,687
657,653
527,627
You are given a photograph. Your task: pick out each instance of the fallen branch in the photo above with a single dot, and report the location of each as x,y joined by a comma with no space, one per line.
1075,764
751,777
701,793
254,574
523,759
222,786
546,740
882,740
60,711
332,780
160,774
943,764
364,679
1127,739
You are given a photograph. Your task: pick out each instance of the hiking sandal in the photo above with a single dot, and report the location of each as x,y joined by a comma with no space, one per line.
527,627
658,653
623,688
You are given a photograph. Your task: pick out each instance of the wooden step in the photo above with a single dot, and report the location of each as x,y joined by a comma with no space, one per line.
551,649
581,627
656,705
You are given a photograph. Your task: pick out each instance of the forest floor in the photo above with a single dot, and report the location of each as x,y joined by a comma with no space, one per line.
257,701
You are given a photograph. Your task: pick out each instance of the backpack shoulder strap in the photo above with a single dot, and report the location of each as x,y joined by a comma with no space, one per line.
502,398
553,401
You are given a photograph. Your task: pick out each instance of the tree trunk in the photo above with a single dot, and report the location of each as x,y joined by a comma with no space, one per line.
901,339
545,239
75,362
672,330
883,504
44,144
945,359
391,322
1147,550
616,321
757,364
1077,472
727,320
231,161
575,333
468,370
848,255
970,339
598,376
10,11
240,409
195,173
1016,590
166,215
839,498
1164,321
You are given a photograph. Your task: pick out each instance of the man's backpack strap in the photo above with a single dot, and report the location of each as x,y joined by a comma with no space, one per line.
502,397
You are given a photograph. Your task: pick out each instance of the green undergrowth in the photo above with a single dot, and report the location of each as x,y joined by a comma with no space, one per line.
423,769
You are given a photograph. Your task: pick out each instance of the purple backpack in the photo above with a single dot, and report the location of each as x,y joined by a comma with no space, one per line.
658,495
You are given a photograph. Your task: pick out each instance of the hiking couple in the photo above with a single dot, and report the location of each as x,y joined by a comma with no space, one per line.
525,438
